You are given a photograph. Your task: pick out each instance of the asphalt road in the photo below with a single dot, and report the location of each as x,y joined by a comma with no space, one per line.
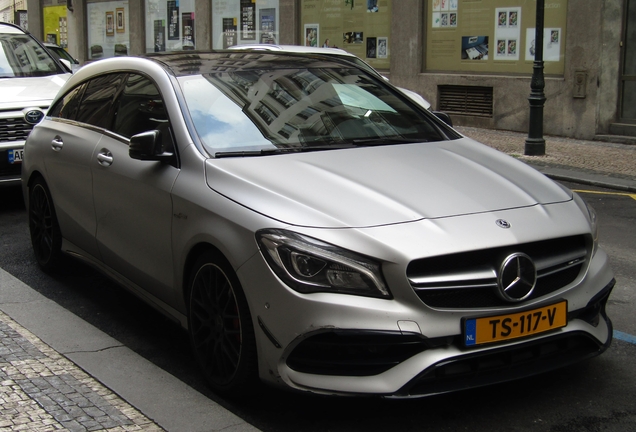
596,395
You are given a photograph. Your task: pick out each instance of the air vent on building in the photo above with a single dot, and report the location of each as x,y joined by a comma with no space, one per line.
467,100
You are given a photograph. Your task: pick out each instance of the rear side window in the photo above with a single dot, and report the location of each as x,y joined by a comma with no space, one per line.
67,106
97,105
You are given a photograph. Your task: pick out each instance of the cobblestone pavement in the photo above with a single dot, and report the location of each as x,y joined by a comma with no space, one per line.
40,390
586,156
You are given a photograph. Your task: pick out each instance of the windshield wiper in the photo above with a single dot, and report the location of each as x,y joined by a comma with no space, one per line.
267,152
251,153
385,140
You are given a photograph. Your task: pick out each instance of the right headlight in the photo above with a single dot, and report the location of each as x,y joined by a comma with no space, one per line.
308,265
589,211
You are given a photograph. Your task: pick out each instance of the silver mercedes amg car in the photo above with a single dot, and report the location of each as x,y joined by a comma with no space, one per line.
314,227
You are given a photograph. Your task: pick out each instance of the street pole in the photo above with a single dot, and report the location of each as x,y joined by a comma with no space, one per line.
535,144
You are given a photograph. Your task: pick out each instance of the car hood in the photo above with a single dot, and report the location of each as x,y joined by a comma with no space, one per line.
382,185
33,91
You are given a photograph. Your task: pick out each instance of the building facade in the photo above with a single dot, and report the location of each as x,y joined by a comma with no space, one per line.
471,58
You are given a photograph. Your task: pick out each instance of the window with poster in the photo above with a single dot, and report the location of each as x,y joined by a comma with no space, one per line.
493,36
361,27
55,25
108,34
170,25
243,22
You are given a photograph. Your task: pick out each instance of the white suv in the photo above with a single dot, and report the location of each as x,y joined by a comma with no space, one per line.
29,80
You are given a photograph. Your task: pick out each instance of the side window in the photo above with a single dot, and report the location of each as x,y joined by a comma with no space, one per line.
97,105
67,106
141,109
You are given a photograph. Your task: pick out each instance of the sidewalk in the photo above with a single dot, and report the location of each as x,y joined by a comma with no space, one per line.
58,372
586,162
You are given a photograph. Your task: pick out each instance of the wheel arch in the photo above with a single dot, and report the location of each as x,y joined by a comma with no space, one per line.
188,267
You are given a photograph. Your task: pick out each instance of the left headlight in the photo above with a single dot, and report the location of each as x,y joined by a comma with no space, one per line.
308,265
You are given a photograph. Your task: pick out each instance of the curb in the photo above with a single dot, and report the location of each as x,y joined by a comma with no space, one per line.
163,401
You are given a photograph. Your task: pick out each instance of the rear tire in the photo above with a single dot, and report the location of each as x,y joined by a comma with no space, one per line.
220,326
46,237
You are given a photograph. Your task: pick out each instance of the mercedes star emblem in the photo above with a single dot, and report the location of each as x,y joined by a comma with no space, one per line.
517,278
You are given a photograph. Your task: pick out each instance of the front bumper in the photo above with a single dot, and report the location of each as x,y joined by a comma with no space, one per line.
401,347
374,352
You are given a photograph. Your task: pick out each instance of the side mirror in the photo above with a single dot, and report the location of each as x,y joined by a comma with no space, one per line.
148,146
444,117
67,65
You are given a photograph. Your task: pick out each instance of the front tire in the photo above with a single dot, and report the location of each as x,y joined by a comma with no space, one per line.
46,237
220,326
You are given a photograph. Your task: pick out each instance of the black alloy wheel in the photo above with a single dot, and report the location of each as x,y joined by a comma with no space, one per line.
46,237
221,330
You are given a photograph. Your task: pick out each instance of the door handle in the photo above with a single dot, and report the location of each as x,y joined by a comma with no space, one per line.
57,143
105,157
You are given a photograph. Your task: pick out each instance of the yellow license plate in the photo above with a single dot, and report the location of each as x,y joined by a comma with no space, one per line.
498,328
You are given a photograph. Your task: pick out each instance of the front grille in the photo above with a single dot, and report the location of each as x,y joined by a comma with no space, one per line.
14,129
469,280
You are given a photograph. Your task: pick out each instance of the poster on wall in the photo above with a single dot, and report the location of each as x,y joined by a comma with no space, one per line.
187,30
160,35
267,20
120,20
312,35
372,46
507,33
229,32
173,20
383,47
248,20
110,23
551,44
474,48
444,13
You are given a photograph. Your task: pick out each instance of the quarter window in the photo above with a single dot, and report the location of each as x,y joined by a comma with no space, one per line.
67,106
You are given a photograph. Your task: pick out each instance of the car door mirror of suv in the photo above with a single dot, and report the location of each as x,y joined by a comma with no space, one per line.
149,146
444,117
67,65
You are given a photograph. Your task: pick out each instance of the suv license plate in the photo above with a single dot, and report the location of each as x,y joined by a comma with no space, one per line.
15,156
496,328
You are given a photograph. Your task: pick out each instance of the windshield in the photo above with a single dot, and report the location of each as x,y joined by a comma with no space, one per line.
263,110
21,56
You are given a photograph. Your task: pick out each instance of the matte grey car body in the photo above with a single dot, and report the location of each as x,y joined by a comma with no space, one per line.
312,226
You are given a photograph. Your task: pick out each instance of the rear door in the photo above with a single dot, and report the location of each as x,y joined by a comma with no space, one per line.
70,144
